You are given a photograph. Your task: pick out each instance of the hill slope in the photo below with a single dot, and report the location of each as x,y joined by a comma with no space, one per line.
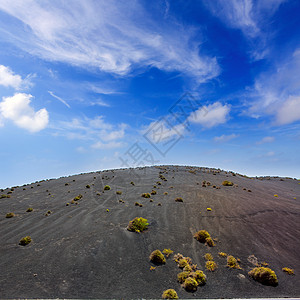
83,249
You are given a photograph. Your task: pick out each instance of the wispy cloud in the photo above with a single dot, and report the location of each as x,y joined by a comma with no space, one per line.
98,89
17,109
251,17
225,138
113,36
161,131
99,133
236,13
267,139
277,91
289,111
60,99
109,145
99,102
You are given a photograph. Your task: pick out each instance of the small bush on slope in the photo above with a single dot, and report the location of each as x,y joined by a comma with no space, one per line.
157,257
264,275
138,224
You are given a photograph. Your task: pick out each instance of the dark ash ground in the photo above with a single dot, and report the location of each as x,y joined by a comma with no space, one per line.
85,251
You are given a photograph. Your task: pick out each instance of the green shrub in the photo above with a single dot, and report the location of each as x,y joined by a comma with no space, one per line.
182,276
209,241
182,263
29,209
199,276
146,195
153,192
132,183
138,224
211,266
87,186
165,193
167,252
288,270
179,199
119,192
264,275
178,257
107,188
77,198
190,284
222,254
201,236
158,204
138,204
187,268
232,262
25,241
208,256
9,215
169,294
227,183
4,196
157,257
209,209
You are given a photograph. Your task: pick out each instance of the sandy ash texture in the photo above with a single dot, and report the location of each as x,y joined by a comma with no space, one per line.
84,251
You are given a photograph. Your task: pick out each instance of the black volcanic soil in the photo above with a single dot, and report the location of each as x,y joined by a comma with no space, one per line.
85,251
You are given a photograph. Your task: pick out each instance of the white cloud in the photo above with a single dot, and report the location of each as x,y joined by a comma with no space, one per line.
99,102
289,111
207,116
101,90
114,36
110,145
60,99
99,123
9,79
17,109
113,135
225,138
267,139
210,115
270,153
161,131
277,92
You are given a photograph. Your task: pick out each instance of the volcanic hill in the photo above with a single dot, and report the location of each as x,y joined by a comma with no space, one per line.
80,247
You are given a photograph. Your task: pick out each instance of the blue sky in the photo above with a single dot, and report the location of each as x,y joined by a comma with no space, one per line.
92,85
